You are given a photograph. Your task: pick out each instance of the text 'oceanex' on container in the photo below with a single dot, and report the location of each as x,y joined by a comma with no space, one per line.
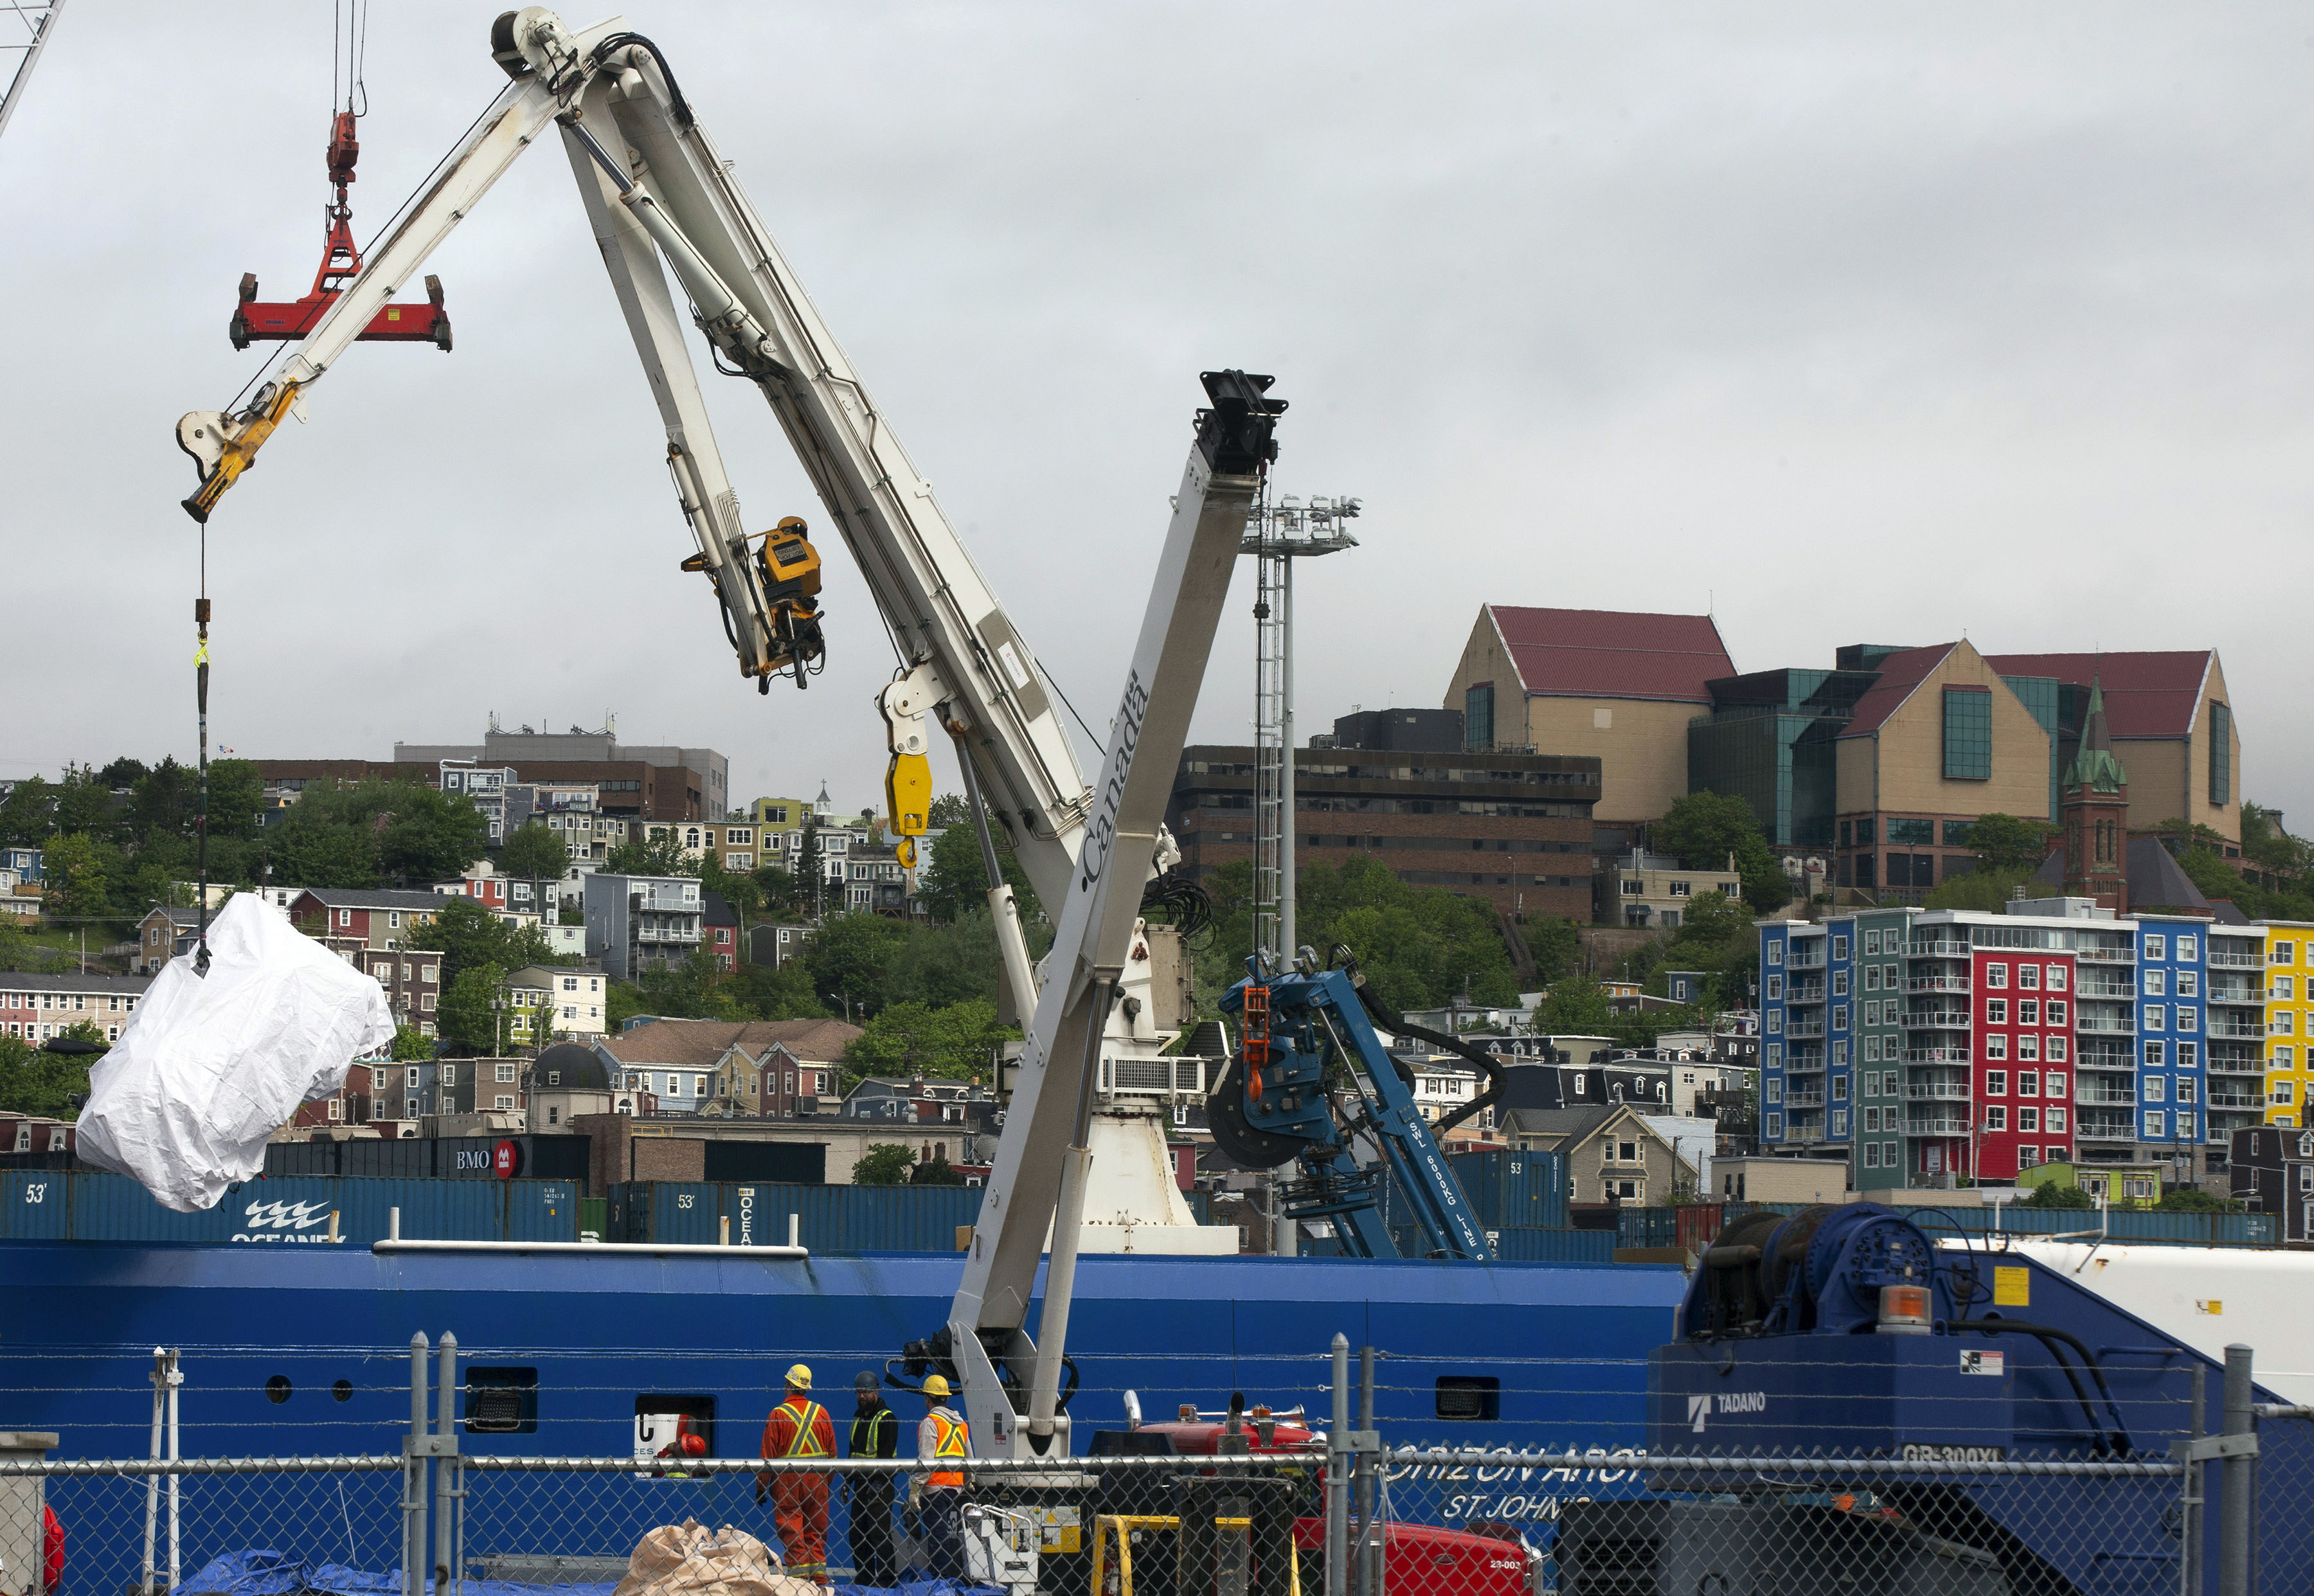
293,1210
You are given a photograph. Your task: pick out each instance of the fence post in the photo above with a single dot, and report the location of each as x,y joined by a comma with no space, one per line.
446,1469
2233,1527
2192,1494
1364,1570
1337,1477
413,1475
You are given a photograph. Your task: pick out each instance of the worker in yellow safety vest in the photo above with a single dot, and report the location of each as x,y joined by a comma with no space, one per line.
939,1493
799,1427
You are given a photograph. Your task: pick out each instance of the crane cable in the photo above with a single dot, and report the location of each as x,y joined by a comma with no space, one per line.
201,697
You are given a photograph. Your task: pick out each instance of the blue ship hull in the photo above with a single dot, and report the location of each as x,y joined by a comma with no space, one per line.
304,1350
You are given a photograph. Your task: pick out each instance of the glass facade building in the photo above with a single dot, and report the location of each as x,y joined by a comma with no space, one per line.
1769,739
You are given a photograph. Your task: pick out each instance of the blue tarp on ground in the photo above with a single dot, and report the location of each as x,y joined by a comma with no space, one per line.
262,1573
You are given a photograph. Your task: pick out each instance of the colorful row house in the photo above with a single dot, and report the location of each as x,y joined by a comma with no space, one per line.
2289,1020
1926,1044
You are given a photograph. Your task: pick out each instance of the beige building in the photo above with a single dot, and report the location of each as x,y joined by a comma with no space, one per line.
1616,685
1939,740
1612,1154
2170,717
1784,1180
551,1002
1652,889
736,845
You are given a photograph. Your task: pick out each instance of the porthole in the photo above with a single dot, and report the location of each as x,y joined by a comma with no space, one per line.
276,1389
343,1391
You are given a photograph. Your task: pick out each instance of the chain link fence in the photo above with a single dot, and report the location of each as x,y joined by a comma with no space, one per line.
1334,1514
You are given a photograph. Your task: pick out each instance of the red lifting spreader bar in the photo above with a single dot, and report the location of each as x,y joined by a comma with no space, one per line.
411,323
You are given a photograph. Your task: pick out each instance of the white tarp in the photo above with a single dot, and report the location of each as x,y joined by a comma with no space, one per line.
211,1066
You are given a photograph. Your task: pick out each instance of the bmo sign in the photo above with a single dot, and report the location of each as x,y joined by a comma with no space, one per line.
506,1160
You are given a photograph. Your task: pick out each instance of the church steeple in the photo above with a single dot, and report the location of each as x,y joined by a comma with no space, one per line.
2096,811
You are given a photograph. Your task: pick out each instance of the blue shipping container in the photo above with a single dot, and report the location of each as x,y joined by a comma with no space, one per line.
1511,1189
1531,1244
97,1205
35,1205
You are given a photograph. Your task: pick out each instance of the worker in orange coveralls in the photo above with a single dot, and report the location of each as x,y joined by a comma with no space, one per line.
799,1427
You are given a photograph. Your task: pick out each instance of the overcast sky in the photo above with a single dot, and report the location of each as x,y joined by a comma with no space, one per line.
1882,323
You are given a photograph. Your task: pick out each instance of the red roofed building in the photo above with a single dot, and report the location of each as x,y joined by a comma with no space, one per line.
2170,719
1938,740
1620,686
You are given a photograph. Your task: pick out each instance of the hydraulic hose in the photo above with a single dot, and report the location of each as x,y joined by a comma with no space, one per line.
2117,1440
1485,1061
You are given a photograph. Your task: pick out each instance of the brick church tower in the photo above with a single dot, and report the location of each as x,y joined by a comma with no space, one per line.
2095,806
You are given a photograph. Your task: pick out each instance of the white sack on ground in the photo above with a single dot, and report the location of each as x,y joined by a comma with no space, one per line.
210,1067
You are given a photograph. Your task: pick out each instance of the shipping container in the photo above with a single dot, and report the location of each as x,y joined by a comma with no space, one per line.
302,1158
829,1219
542,1210
1534,1244
536,1158
792,1162
1646,1226
1697,1224
594,1219
35,1205
1510,1189
834,1219
412,1157
97,1205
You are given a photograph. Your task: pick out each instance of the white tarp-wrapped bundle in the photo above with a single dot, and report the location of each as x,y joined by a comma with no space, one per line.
211,1066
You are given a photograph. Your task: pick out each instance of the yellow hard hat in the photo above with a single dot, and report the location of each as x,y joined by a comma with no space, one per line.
935,1386
800,1378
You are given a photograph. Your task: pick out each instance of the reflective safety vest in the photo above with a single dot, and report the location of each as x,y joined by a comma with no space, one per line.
806,1418
955,1442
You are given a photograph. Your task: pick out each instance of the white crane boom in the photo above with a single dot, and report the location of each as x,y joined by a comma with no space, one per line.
659,198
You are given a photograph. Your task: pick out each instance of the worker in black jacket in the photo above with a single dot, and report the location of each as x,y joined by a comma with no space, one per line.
875,1433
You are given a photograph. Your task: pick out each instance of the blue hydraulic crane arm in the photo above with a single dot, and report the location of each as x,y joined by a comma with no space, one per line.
1448,1226
1283,1100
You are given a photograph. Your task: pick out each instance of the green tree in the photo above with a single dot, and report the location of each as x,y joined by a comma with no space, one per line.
955,882
885,1163
2007,842
1555,945
911,1039
163,802
784,993
1979,889
34,1080
661,855
19,951
1577,1007
849,957
236,789
77,874
123,772
28,816
411,1045
431,836
690,990
777,893
84,804
537,854
622,1001
2058,1194
469,1015
936,1172
1703,829
2191,1199
468,936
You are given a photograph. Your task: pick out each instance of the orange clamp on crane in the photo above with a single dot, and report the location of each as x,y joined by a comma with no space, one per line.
1256,1038
257,320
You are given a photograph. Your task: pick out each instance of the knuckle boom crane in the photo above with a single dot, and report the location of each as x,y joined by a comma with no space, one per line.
661,199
